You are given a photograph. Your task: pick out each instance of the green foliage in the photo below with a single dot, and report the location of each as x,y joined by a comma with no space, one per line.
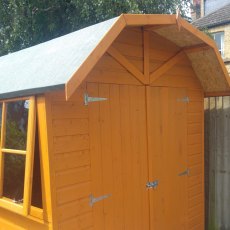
15,138
24,23
206,31
16,125
14,172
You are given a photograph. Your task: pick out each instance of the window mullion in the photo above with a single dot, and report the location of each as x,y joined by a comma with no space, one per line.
2,143
29,156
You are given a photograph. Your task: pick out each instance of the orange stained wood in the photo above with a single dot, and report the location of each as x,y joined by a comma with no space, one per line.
86,67
166,66
196,159
29,155
3,137
119,157
217,94
37,218
96,156
146,47
126,63
196,48
49,186
71,160
167,146
178,19
147,21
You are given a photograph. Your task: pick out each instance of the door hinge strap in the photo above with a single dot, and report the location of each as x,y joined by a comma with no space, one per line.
93,200
88,99
184,99
185,173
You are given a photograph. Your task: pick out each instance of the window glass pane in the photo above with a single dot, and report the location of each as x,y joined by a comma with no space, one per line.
219,39
14,173
36,188
16,124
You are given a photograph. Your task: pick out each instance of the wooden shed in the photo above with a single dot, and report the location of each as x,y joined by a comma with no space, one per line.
103,128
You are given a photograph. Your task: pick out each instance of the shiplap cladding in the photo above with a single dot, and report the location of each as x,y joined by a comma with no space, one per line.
217,156
212,5
83,139
71,160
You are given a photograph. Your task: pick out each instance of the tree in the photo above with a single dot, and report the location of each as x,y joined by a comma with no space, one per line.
24,23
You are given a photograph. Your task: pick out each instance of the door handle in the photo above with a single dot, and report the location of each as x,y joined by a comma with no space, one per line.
184,173
152,184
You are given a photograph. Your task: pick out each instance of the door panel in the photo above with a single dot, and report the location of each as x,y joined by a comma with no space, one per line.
167,142
118,146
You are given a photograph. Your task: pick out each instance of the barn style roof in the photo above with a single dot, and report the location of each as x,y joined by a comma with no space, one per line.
216,18
64,62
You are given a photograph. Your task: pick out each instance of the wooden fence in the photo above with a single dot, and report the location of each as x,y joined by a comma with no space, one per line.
217,162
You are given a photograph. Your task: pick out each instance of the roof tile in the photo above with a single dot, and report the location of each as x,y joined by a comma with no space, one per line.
218,17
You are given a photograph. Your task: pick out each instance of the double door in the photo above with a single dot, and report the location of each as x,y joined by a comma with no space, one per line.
138,138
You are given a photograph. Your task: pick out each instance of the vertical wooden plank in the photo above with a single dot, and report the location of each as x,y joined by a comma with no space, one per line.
46,153
155,149
138,155
106,155
127,159
206,159
219,165
226,156
96,157
203,164
178,135
211,153
2,143
29,155
146,48
134,155
115,118
217,149
143,156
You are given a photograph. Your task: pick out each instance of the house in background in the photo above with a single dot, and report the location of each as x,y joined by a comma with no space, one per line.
202,8
215,18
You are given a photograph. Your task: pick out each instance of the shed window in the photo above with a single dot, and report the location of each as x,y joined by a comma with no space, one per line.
17,153
219,39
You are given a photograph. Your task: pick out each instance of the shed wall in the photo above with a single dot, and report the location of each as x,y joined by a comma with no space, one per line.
70,144
195,159
70,132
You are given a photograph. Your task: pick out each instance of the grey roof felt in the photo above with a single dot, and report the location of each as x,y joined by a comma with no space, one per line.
216,18
49,65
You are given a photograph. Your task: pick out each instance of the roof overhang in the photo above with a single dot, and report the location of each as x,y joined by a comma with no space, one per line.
200,49
65,62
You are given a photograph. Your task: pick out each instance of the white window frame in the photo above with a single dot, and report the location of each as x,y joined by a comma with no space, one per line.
221,48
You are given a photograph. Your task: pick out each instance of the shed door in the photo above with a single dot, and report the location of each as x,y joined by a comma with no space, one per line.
167,138
118,146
